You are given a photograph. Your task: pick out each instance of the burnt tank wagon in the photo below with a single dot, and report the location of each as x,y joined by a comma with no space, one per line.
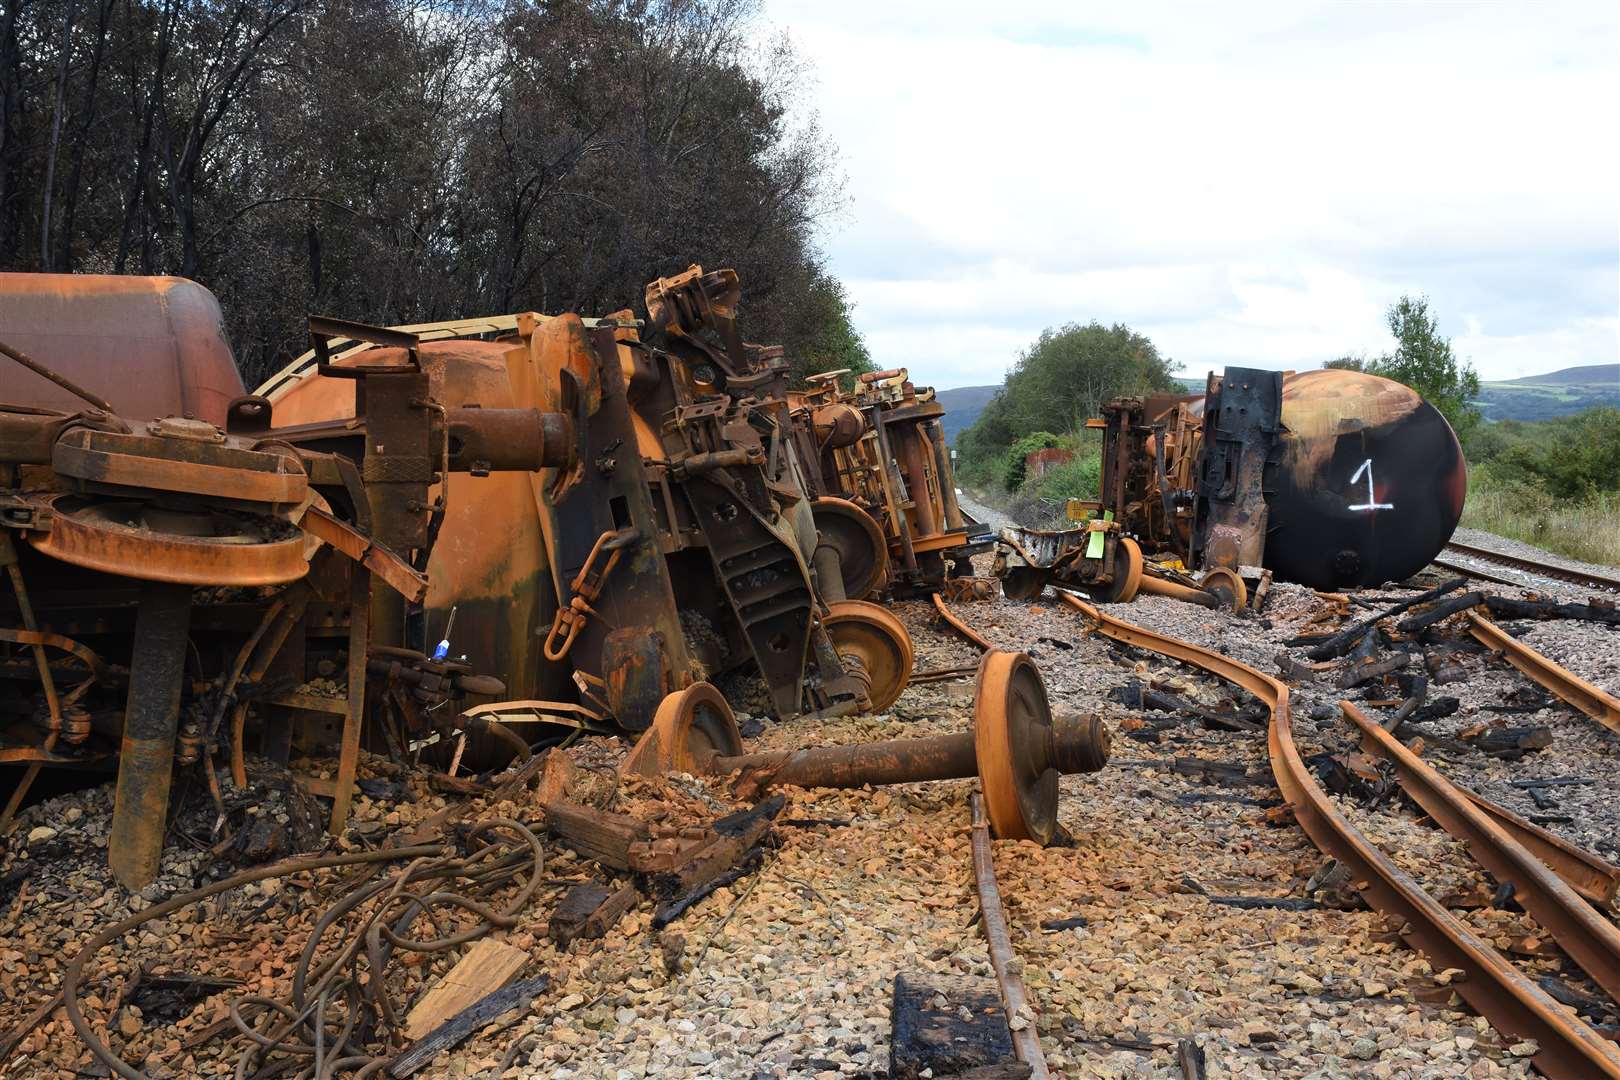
1332,479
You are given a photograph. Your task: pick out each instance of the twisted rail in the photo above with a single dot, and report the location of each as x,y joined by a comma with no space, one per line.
1500,992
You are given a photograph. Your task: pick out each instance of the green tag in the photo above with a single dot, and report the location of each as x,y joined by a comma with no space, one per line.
1094,545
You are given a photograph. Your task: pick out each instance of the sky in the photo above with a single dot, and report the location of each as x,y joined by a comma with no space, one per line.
1246,183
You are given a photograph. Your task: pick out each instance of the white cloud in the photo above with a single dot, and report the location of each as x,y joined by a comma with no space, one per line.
1246,183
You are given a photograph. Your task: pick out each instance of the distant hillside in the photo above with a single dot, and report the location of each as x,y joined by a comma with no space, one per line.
1535,397
1590,375
963,406
1526,400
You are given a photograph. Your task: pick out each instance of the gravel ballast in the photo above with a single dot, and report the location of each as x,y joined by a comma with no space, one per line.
789,971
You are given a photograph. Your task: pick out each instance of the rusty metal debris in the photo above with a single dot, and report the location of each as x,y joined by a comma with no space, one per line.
1264,473
204,568
617,508
677,547
877,468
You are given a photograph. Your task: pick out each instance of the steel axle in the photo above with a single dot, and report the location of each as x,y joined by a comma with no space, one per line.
1072,744
1016,749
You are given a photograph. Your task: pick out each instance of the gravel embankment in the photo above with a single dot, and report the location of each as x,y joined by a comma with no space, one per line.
1517,548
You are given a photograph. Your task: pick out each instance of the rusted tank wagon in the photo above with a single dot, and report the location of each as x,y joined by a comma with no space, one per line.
878,466
167,576
603,519
676,549
154,345
1332,479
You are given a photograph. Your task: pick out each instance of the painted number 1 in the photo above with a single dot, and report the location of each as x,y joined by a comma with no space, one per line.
1372,502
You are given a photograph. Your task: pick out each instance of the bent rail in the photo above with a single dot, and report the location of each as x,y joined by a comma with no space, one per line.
1561,681
1026,1042
1589,939
1496,989
959,626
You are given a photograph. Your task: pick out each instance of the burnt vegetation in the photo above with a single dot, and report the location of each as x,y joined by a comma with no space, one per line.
402,161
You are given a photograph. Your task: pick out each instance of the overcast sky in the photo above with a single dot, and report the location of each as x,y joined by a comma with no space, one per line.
1246,183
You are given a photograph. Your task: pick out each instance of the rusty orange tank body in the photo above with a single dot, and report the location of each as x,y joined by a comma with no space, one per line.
152,346
490,557
1368,485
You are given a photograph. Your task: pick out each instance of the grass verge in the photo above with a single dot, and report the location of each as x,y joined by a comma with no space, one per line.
1587,529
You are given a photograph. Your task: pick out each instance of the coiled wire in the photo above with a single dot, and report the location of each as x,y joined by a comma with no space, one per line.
339,1017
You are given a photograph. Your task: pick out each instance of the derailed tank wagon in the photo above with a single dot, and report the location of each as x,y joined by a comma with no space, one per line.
1332,479
593,520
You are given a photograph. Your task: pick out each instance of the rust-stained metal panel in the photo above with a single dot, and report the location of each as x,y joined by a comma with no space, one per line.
489,558
152,346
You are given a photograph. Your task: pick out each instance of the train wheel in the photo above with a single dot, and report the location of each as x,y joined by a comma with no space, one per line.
863,554
1127,578
876,641
1012,738
1225,585
1023,582
690,726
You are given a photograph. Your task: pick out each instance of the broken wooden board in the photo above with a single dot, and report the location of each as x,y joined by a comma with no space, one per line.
734,836
458,1029
486,967
949,1027
589,911
596,834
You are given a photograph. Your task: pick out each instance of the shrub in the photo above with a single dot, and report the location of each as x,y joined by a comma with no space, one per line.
1012,469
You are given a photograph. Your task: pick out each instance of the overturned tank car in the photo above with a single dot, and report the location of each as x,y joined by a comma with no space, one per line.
677,546
1332,479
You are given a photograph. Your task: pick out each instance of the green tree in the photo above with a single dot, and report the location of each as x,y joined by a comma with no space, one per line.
1012,474
818,330
1348,363
1058,382
1584,457
1424,361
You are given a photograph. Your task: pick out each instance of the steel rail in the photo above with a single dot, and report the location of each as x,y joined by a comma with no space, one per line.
1014,999
1504,995
1590,940
1564,683
1476,575
959,626
1592,877
1558,573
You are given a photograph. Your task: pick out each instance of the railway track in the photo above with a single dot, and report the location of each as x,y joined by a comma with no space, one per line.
1596,582
1494,987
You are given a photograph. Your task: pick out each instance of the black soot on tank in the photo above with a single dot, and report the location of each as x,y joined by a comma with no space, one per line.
1366,484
